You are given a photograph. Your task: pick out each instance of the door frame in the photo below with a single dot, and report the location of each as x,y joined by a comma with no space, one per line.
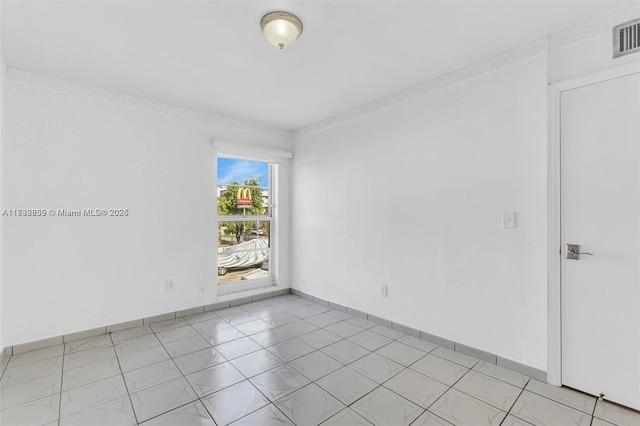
554,249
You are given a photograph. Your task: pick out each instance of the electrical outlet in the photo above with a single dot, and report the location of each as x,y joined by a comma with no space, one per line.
169,285
384,290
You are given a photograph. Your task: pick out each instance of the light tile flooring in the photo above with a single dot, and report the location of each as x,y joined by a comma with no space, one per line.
280,361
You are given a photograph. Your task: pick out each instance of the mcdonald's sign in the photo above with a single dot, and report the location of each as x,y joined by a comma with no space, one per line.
244,198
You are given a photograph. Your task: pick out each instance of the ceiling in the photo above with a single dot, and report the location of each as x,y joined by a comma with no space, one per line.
211,56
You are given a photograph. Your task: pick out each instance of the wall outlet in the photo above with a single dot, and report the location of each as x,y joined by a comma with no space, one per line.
384,290
169,285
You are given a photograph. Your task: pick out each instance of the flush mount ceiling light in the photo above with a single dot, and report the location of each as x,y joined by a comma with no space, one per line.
281,28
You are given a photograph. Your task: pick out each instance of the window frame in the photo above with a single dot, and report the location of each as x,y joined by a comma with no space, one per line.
241,285
273,158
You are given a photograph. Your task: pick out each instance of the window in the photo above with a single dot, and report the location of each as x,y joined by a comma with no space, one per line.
252,202
244,188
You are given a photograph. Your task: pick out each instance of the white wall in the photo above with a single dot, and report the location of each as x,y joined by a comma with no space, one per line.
67,274
411,196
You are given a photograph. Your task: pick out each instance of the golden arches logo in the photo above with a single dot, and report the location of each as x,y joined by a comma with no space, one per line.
244,193
244,198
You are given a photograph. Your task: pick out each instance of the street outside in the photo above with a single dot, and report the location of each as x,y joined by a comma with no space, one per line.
236,275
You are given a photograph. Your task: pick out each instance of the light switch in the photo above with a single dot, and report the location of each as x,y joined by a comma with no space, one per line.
509,219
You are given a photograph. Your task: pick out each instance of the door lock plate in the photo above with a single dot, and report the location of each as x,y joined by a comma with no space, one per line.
572,251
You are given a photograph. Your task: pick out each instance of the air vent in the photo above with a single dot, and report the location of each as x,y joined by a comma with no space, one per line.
626,38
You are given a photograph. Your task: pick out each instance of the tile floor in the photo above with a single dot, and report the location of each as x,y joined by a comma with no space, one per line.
280,361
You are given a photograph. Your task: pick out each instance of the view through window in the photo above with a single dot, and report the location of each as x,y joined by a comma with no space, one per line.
244,220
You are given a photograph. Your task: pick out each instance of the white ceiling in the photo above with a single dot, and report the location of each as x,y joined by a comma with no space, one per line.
211,56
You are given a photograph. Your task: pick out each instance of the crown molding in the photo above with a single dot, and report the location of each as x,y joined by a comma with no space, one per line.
556,41
593,28
133,101
489,65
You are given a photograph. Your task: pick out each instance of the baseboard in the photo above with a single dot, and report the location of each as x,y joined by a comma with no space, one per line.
489,357
4,360
85,334
476,353
527,370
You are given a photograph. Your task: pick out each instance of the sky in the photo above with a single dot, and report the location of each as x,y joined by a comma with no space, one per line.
230,170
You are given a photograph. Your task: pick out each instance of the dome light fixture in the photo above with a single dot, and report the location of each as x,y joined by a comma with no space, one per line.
281,28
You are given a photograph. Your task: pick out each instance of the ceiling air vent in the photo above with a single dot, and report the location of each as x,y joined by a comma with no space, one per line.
626,38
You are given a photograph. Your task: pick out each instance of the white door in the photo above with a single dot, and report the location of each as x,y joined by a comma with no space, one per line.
600,194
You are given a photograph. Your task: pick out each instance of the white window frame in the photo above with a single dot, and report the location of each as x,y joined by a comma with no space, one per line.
273,158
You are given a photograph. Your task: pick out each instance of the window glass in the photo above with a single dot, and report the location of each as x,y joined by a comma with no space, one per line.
244,220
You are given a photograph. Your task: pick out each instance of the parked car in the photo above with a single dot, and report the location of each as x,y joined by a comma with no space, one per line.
255,231
244,255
